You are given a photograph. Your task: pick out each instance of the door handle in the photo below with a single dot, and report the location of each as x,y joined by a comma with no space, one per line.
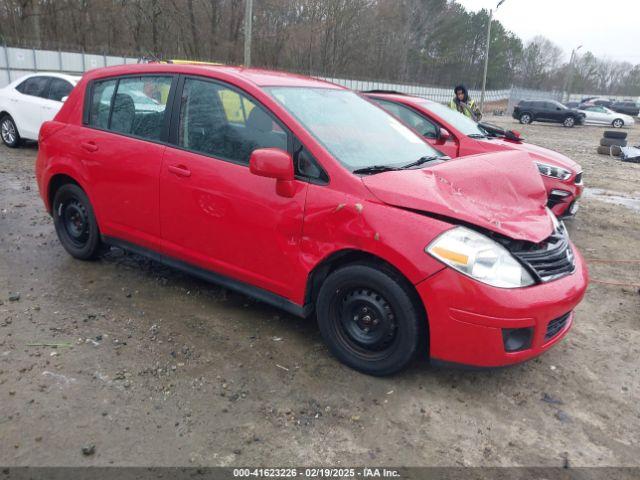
89,146
179,170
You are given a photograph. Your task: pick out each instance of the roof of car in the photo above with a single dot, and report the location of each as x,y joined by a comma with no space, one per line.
257,76
70,78
398,97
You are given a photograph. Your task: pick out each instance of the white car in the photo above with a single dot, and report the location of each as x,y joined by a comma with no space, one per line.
599,115
28,102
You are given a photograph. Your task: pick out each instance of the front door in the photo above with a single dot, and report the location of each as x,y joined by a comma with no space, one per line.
214,212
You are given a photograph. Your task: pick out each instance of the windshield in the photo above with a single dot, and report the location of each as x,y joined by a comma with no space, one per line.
463,124
356,132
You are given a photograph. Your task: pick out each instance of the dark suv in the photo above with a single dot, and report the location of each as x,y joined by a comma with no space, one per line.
528,111
628,108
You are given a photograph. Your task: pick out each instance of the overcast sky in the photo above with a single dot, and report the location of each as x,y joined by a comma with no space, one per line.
607,28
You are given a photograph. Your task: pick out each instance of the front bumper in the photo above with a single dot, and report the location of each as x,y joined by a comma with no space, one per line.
467,318
565,204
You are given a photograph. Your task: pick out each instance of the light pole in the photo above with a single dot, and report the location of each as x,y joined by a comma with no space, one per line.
486,56
248,24
569,79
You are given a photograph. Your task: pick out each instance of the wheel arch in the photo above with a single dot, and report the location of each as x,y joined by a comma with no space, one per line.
350,256
55,182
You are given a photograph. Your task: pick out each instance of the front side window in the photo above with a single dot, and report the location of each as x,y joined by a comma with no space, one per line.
357,133
416,121
34,86
460,122
139,105
58,89
221,122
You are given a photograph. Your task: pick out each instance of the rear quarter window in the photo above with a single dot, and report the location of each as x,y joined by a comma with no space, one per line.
100,105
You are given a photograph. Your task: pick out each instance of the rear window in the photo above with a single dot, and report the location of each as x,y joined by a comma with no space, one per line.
35,86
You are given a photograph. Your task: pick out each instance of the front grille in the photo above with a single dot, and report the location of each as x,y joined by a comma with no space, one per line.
555,326
578,180
549,260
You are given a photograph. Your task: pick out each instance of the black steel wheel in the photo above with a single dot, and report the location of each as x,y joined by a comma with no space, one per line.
75,222
370,319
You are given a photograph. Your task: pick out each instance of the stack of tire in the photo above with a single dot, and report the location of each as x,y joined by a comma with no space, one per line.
611,142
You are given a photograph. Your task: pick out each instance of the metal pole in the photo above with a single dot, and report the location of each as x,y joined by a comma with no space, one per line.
6,59
486,62
569,79
248,24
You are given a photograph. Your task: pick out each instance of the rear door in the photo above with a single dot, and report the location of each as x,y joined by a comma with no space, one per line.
58,89
214,212
121,146
27,108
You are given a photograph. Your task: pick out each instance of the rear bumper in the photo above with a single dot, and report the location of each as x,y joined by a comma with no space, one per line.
467,318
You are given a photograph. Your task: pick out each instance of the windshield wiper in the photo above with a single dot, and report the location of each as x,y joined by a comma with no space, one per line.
477,135
375,169
421,160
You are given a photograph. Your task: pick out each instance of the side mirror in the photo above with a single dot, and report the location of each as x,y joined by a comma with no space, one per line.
64,99
274,163
443,135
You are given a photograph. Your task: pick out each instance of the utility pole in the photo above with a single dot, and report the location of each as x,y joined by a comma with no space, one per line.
248,25
486,56
569,78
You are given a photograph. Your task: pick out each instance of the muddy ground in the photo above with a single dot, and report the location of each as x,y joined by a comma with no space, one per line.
158,368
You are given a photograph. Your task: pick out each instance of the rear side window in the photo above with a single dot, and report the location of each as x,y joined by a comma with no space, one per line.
139,105
58,89
131,105
35,86
219,121
101,96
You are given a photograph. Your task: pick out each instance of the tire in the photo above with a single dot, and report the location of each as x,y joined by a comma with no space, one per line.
618,123
604,150
608,142
614,134
569,122
9,132
526,118
75,222
616,151
352,300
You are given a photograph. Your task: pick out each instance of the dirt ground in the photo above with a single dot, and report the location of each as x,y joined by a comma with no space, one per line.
158,368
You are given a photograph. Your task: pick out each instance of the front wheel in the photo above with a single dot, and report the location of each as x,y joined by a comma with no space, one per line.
75,222
9,132
369,320
569,122
618,123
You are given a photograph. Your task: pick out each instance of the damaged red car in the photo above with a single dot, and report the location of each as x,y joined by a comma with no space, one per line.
308,197
458,136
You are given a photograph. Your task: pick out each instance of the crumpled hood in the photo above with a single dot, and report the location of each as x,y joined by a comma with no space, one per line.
497,191
540,154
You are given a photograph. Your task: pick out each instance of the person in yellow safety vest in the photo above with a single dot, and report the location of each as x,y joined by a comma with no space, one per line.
465,105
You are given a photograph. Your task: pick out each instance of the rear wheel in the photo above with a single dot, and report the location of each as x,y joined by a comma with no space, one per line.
618,123
569,122
369,320
75,222
526,118
9,132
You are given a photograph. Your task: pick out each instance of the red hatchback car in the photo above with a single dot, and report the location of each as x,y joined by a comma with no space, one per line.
458,136
309,197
